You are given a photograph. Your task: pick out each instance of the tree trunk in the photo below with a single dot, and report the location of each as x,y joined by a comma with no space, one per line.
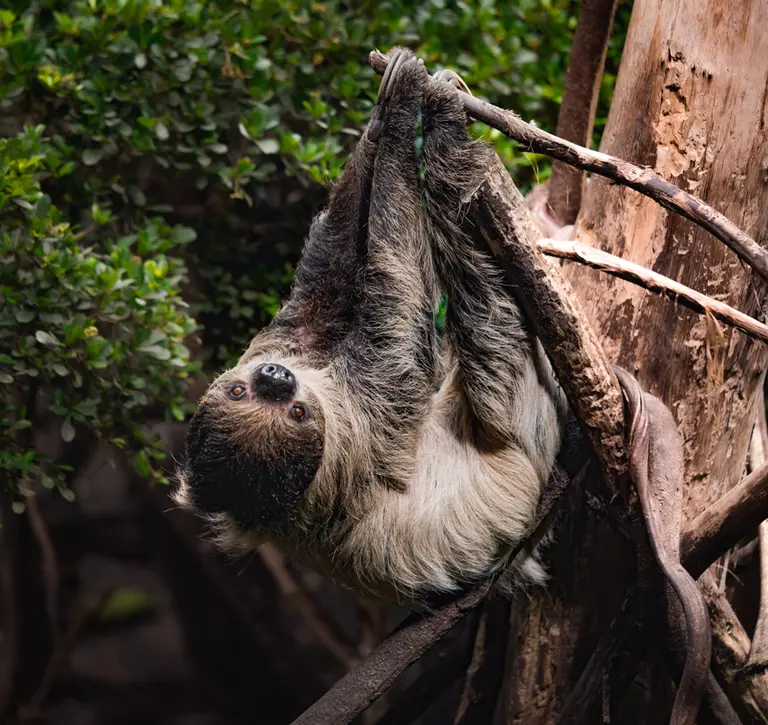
691,102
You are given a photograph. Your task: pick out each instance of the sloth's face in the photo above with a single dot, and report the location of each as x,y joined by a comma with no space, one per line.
254,445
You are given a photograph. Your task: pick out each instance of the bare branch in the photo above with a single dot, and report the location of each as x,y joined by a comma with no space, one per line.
655,282
643,180
721,526
322,627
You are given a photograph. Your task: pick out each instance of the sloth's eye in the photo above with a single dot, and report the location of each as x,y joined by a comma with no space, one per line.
298,412
237,392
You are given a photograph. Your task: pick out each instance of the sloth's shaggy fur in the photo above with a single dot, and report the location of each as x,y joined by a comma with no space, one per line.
418,463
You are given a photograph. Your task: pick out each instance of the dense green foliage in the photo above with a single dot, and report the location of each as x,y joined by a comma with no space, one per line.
130,122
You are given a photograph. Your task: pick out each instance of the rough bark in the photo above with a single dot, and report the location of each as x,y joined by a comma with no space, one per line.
690,102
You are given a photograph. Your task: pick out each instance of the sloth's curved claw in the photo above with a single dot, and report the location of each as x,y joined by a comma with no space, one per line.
453,78
396,59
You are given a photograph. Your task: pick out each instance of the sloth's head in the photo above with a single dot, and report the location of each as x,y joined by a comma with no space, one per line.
254,445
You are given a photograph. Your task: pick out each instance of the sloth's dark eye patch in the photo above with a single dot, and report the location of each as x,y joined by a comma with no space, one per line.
237,392
298,412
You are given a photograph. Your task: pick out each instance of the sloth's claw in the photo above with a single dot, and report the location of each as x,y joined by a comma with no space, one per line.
396,59
451,76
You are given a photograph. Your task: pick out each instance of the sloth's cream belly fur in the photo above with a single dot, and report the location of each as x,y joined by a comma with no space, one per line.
459,514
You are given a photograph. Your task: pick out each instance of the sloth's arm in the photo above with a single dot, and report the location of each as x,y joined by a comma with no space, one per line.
321,307
499,365
388,363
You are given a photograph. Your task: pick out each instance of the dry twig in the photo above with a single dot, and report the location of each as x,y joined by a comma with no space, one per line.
655,282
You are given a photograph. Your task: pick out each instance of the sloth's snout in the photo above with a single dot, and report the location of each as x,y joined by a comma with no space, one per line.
274,382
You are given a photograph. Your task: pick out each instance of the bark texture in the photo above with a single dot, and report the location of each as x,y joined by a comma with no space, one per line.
690,102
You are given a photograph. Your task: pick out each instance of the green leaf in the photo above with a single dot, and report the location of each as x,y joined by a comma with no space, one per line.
183,235
23,316
126,603
140,60
45,338
156,351
268,145
67,430
60,369
6,379
161,131
91,157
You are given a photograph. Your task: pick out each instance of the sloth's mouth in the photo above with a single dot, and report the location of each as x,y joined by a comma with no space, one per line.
257,492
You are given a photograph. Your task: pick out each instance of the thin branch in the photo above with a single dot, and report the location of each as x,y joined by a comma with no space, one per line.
655,282
642,180
581,90
50,562
758,455
324,630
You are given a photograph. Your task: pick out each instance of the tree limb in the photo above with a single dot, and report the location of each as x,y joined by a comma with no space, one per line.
643,180
576,117
655,282
720,526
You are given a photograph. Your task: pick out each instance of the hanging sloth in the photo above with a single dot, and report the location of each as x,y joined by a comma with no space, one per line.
397,464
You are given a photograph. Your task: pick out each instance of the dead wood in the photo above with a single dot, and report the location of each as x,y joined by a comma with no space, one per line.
758,456
656,470
721,526
655,282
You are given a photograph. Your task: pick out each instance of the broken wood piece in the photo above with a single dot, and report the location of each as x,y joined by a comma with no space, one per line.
642,180
655,282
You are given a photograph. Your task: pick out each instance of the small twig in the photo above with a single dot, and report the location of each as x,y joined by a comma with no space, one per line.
485,674
643,180
275,562
60,655
655,282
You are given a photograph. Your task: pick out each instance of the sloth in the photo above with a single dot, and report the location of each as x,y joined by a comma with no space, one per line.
398,460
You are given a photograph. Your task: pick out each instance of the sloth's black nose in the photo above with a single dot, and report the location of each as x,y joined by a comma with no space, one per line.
274,382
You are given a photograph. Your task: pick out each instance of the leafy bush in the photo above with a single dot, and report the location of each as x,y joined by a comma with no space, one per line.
90,336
